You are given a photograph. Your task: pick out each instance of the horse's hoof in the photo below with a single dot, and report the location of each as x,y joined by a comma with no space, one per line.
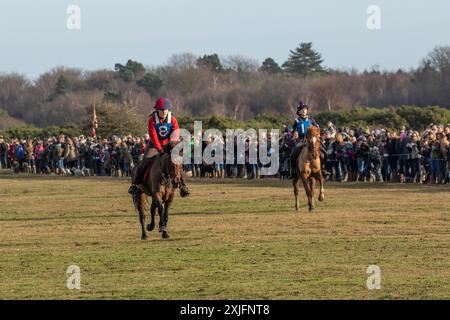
143,237
312,210
150,227
165,235
162,229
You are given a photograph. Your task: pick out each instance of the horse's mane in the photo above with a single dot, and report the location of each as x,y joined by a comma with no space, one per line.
313,131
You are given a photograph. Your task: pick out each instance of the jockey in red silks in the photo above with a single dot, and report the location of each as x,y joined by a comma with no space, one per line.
162,129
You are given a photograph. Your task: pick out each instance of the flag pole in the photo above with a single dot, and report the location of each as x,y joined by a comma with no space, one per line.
94,123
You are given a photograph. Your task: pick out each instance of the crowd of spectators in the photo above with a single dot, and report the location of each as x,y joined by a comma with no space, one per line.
71,156
376,155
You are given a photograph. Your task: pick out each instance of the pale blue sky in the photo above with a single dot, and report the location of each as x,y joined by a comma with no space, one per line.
34,37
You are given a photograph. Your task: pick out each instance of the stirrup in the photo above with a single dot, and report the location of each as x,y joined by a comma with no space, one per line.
165,179
184,191
133,189
326,173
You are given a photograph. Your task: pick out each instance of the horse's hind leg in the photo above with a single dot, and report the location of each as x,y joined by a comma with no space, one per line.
166,212
165,233
307,190
153,208
139,200
162,219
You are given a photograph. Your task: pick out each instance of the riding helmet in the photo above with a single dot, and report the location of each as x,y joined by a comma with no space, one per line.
163,104
301,106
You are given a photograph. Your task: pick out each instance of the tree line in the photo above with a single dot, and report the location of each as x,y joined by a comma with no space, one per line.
235,87
412,117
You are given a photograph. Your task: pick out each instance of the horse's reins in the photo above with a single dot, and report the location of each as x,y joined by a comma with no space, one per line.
165,176
311,145
166,180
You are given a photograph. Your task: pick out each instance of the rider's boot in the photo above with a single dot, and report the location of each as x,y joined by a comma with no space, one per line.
325,173
133,189
292,161
184,190
291,170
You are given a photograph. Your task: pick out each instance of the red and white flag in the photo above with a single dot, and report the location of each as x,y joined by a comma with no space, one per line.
94,124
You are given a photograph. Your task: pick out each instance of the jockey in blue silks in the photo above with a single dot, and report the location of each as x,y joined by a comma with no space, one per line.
301,124
303,121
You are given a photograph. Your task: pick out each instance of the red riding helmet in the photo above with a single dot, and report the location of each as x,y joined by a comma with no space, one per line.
163,104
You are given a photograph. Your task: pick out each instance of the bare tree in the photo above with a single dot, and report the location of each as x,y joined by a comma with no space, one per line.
13,89
182,61
440,59
240,63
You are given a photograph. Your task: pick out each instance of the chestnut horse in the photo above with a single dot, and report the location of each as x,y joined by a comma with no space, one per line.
308,168
161,179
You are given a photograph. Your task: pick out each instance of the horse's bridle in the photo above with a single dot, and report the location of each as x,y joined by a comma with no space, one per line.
171,173
312,142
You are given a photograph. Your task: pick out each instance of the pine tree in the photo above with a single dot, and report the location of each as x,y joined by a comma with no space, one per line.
151,82
131,71
304,60
62,86
270,66
211,61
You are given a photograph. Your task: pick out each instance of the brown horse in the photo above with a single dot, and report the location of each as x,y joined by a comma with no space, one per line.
161,179
308,168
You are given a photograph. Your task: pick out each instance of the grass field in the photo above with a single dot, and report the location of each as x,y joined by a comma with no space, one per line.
231,239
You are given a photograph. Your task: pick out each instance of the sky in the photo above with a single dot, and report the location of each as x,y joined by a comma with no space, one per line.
34,37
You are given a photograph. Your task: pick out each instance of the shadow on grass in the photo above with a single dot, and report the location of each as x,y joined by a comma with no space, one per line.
276,183
238,182
103,216
90,179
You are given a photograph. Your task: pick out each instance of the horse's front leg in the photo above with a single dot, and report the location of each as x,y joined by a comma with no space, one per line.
160,208
165,219
167,204
162,218
153,208
322,191
312,182
295,184
307,189
166,212
140,205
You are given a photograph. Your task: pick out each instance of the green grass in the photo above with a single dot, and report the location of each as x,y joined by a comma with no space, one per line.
231,239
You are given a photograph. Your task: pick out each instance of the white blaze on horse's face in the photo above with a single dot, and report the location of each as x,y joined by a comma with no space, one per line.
314,139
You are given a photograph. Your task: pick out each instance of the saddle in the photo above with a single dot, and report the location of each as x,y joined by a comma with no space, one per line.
142,174
143,170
